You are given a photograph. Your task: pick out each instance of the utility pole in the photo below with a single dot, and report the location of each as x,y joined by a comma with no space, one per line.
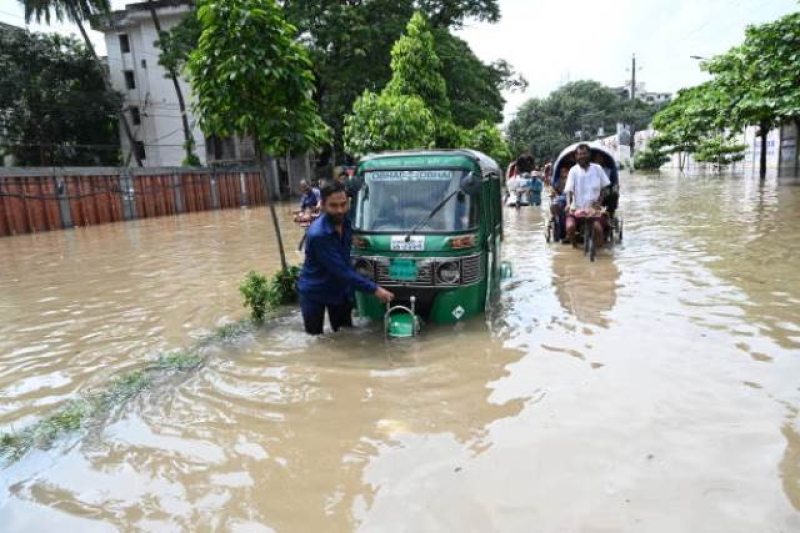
633,104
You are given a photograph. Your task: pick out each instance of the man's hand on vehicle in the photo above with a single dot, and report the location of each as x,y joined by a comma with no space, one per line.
383,295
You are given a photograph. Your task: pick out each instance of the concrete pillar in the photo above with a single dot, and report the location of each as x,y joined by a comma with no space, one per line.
177,192
214,190
126,183
243,189
64,209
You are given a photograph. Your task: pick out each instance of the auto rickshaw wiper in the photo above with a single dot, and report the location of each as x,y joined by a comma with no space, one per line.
431,214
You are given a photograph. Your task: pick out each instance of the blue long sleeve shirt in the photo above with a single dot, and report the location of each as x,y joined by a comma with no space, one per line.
327,276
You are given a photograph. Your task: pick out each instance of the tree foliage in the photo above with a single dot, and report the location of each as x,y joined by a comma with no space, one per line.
651,158
687,120
252,77
581,109
54,107
350,45
473,87
487,138
388,122
756,83
176,44
413,110
416,68
72,10
720,151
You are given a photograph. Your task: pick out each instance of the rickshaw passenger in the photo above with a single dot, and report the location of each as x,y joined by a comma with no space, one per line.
558,201
611,199
585,188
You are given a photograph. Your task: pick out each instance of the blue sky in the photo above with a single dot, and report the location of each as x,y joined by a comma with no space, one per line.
551,42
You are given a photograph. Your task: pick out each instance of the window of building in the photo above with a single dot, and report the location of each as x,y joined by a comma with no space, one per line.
124,43
136,117
144,63
130,81
139,147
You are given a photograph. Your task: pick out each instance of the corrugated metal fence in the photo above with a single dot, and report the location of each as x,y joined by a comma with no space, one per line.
44,199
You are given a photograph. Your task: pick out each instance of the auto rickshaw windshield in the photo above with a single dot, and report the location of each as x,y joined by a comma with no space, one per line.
398,200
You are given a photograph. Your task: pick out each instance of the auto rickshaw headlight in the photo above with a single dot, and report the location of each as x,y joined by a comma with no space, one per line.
448,273
365,268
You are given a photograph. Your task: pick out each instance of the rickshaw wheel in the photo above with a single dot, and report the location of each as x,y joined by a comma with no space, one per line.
548,231
619,230
591,248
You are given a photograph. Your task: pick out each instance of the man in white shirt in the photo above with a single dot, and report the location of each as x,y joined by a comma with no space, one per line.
584,189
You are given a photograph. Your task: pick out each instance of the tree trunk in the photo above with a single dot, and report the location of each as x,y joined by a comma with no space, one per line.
681,161
762,165
262,165
126,128
188,140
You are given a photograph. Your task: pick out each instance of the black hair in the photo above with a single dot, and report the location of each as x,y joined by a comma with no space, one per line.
584,146
524,164
332,187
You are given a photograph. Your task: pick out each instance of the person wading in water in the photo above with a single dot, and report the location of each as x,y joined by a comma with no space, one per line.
327,280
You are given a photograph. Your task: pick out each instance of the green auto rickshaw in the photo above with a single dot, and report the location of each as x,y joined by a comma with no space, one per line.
427,225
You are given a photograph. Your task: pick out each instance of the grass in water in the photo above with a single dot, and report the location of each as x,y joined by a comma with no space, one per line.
77,413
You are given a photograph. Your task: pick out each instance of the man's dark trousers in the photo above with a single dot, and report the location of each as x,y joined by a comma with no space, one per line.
339,316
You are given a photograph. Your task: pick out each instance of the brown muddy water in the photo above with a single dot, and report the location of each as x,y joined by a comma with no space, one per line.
656,390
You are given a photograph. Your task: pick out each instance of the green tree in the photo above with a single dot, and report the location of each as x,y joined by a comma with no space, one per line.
78,11
688,119
388,122
760,79
651,158
253,78
578,110
473,87
416,68
720,150
54,106
487,138
350,45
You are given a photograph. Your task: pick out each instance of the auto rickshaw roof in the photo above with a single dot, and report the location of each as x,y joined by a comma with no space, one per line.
595,148
466,159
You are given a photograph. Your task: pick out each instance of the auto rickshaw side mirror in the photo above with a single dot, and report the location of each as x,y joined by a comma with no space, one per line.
471,184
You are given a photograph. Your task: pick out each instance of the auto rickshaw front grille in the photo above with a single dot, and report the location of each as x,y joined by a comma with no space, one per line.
424,275
471,270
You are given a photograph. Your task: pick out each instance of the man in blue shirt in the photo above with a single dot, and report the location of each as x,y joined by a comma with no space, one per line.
328,280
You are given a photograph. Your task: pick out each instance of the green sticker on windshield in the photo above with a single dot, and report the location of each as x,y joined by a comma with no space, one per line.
403,269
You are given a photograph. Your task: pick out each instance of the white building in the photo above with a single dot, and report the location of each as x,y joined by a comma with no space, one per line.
643,94
151,104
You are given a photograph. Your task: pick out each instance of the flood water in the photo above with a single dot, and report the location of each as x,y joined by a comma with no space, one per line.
655,390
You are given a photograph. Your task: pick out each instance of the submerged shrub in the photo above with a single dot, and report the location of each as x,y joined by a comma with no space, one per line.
262,295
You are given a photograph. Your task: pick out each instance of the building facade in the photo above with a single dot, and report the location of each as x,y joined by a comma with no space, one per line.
643,94
150,104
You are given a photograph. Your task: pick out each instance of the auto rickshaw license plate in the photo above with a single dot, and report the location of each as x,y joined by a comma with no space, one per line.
416,243
403,269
